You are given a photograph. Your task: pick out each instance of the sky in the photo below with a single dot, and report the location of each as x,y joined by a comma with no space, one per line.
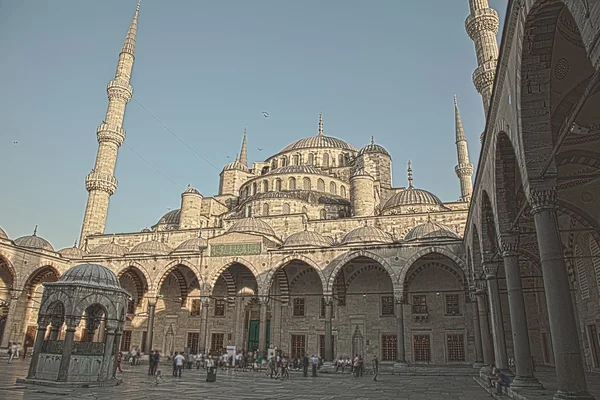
204,70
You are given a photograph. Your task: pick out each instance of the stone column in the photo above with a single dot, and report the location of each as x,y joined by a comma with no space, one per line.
262,335
491,276
484,326
518,318
204,323
65,361
109,354
328,328
37,348
476,332
9,334
150,329
117,349
570,373
401,357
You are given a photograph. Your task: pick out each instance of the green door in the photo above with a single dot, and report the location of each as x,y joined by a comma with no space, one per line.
254,334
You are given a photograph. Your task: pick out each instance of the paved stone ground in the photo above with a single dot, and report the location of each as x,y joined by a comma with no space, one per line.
138,385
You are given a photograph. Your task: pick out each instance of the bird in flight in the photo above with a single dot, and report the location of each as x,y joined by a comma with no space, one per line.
265,114
15,142
259,149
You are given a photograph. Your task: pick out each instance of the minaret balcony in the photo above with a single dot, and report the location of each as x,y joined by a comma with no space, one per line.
485,19
483,76
110,133
463,169
100,181
119,89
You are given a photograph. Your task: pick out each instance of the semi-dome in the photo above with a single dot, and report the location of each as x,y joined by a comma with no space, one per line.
307,238
3,234
297,169
91,274
367,234
172,217
72,252
109,250
34,242
252,225
151,247
194,244
430,230
411,196
373,148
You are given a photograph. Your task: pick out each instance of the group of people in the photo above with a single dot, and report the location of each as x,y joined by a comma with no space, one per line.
357,365
15,350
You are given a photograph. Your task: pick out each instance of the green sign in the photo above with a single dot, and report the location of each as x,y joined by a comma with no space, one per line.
245,249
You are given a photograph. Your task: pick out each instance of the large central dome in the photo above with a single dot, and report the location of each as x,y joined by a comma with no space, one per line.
319,141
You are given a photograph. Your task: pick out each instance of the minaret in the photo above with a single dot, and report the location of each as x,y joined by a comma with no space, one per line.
321,124
464,169
244,151
101,183
410,176
482,27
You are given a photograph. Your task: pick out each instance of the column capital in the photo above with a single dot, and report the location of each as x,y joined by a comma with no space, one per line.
399,299
542,199
152,300
263,300
480,289
509,247
205,300
328,300
14,295
490,269
72,322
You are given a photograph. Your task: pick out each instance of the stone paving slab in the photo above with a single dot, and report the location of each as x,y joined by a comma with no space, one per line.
232,385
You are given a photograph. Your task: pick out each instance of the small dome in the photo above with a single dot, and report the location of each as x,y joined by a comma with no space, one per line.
373,148
297,169
72,253
146,230
172,217
412,196
91,274
151,247
319,142
191,190
109,250
34,242
360,172
252,225
194,244
307,238
367,234
236,165
3,234
431,230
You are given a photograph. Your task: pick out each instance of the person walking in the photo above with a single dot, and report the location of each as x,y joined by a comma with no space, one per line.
119,360
305,364
179,359
375,368
151,363
11,352
315,363
155,360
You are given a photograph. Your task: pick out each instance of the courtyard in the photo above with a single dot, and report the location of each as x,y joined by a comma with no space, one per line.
247,385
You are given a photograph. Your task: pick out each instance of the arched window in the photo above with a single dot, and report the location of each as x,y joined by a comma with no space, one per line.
274,163
284,161
341,160
323,214
311,159
343,191
266,209
321,185
278,185
326,160
254,188
285,209
246,191
306,184
305,210
333,188
595,253
292,184
248,211
265,186
296,159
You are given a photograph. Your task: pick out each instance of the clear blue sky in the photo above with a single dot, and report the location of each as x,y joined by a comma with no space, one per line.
386,68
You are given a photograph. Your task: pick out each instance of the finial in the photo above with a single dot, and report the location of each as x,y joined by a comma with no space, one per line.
189,186
137,9
372,139
236,156
75,244
245,129
455,102
320,124
410,176
35,231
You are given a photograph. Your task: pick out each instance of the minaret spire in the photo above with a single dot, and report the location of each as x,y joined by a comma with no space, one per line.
101,183
321,124
244,150
464,168
410,175
482,27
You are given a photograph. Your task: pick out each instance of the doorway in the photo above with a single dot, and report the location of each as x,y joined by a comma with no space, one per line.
254,334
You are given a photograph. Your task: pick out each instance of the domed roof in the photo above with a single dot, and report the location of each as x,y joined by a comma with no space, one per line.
367,234
191,190
172,217
319,141
411,196
3,234
34,242
360,172
297,169
91,274
373,148
72,252
146,230
236,165
252,225
151,247
431,230
307,238
194,244
109,250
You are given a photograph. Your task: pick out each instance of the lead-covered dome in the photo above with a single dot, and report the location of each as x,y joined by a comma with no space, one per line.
367,234
151,247
412,196
236,165
194,244
430,231
172,217
319,142
109,250
307,238
72,253
34,242
252,225
3,234
373,148
91,274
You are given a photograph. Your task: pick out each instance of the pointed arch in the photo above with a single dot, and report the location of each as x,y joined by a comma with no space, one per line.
458,273
268,279
138,269
173,265
230,284
4,263
214,276
346,258
138,278
44,273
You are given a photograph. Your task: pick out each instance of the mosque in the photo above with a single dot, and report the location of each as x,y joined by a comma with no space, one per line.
314,250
